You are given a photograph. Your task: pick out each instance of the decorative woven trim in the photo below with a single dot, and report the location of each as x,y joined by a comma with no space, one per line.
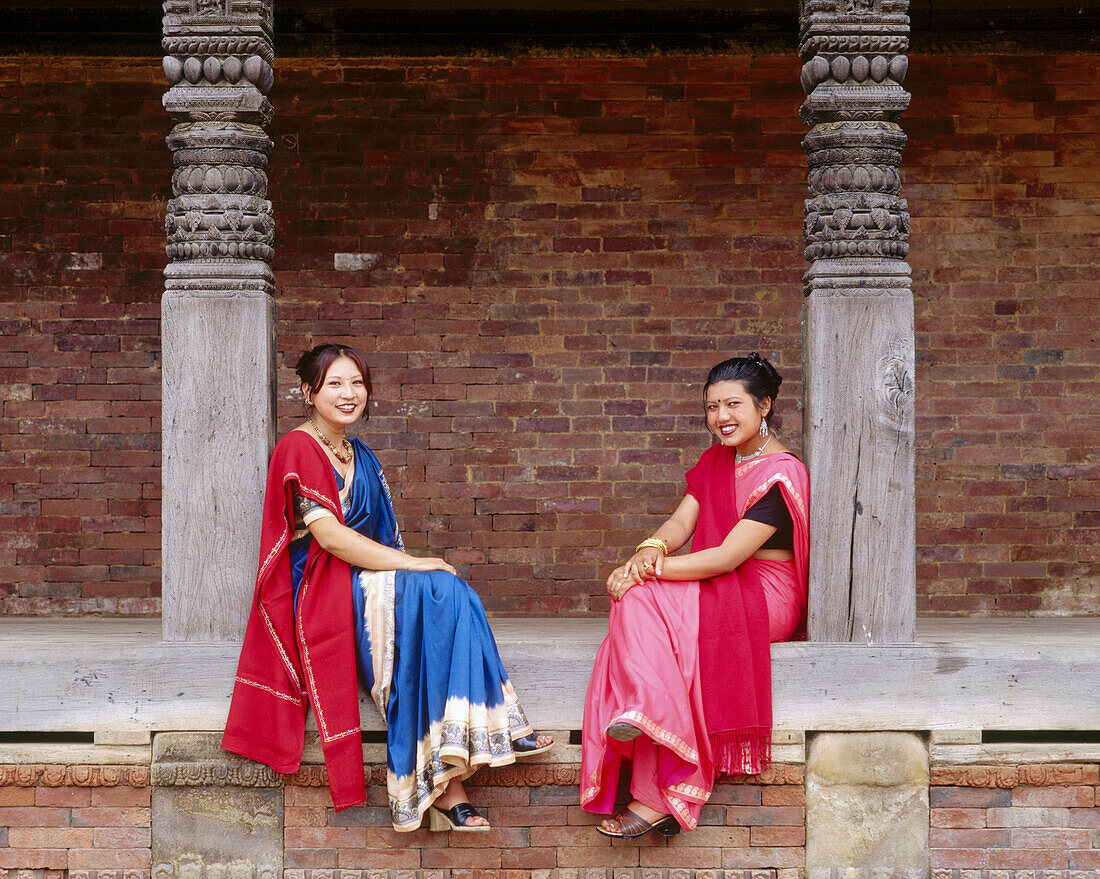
279,646
80,775
766,487
682,749
270,690
318,712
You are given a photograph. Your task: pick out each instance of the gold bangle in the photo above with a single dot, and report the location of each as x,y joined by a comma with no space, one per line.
655,542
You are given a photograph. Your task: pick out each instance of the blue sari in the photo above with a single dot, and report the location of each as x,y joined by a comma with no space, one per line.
427,656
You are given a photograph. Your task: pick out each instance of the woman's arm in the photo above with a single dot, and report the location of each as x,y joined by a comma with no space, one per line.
355,549
744,539
648,561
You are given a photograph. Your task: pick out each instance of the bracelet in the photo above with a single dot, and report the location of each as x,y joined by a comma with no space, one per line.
655,542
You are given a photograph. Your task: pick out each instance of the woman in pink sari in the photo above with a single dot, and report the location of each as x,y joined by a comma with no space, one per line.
682,684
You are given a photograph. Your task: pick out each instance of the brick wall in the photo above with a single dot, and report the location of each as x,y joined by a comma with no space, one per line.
83,172
541,257
1016,817
749,824
75,820
987,822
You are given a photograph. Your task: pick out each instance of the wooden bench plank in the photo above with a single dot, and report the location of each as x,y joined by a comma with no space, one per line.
114,674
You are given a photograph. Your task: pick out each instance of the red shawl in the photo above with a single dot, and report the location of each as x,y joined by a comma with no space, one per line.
734,652
288,659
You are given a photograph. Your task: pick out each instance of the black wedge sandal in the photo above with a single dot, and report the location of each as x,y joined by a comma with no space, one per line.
528,745
455,818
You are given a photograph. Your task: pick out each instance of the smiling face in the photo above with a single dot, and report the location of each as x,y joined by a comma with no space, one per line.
341,398
732,414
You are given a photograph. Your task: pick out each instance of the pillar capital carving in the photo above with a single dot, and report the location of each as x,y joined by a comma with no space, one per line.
220,227
853,67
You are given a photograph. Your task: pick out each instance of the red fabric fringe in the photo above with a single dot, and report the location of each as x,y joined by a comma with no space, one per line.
741,751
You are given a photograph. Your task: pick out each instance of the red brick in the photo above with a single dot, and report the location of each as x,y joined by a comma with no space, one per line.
961,818
598,856
110,859
1085,860
16,796
50,837
964,859
36,816
33,859
363,858
474,858
62,796
1051,859
676,855
1049,837
1054,795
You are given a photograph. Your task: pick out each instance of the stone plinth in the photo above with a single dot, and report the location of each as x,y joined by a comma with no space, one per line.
867,803
214,815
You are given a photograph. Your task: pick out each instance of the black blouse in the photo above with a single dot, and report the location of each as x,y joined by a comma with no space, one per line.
771,509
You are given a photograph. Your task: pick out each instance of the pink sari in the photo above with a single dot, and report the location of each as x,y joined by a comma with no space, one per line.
784,582
699,688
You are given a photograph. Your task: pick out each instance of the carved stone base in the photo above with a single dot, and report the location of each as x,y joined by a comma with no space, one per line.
205,824
867,806
218,427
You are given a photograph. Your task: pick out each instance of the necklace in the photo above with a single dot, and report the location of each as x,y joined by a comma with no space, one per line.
346,456
742,458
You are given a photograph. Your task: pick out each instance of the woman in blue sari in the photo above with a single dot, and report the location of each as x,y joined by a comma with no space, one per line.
424,647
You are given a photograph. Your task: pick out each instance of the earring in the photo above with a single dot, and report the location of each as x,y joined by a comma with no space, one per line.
764,428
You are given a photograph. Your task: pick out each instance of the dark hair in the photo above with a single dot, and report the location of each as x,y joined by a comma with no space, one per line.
755,373
314,365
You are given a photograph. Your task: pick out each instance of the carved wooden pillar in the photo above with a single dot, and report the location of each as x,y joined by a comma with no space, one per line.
218,315
858,356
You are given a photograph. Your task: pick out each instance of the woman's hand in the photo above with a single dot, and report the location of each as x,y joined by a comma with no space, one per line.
620,580
646,563
429,564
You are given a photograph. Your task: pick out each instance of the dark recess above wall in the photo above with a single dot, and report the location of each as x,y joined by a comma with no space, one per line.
350,28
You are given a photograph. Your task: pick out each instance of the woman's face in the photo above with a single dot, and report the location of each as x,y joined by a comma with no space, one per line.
732,414
342,397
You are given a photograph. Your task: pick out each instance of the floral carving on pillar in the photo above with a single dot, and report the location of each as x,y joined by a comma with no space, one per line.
853,66
218,62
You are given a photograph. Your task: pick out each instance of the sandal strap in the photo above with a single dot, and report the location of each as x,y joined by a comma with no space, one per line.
631,824
460,813
530,743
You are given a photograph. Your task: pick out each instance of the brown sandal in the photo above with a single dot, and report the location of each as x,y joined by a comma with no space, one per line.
632,826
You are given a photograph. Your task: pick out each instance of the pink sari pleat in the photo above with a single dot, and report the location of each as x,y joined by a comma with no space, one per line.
646,674
785,596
